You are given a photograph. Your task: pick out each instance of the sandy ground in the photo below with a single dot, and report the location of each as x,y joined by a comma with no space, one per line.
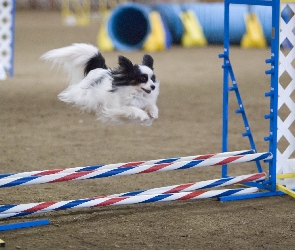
39,132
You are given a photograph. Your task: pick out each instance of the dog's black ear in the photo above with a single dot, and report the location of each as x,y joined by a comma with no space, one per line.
148,61
97,61
125,64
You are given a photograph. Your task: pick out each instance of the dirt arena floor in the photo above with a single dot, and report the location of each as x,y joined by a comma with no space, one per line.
39,132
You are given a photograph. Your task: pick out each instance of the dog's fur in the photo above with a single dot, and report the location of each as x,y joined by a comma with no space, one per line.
124,94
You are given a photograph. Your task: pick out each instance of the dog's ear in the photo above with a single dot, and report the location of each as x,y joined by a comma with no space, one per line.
148,61
125,64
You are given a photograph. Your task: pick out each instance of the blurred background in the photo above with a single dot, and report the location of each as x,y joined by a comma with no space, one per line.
157,25
56,4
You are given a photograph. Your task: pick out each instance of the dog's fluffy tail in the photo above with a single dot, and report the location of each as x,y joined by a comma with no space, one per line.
77,59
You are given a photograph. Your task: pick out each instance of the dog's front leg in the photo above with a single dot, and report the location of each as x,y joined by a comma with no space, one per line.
152,111
135,113
126,112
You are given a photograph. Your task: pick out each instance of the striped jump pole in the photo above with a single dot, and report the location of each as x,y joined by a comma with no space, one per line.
16,210
31,180
187,187
127,164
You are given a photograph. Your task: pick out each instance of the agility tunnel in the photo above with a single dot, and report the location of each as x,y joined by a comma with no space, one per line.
129,26
134,26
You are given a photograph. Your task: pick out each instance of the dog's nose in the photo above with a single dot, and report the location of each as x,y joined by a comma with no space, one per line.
153,87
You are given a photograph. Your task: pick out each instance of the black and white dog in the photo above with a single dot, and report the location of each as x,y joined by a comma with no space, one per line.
124,94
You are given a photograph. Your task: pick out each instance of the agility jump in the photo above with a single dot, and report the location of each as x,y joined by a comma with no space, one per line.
255,182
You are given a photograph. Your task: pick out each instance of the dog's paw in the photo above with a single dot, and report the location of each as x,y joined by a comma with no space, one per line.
147,122
153,112
144,119
143,116
126,115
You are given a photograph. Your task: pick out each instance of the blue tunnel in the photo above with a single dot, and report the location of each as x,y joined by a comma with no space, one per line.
129,24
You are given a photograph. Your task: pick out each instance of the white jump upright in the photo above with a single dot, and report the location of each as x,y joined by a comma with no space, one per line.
286,100
7,17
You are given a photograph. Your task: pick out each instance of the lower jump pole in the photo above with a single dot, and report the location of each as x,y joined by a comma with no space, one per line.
128,164
187,187
16,210
183,188
31,180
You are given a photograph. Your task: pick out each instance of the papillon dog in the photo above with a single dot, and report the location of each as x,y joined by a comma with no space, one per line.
126,94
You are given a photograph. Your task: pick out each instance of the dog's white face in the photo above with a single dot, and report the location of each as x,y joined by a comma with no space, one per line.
146,79
140,77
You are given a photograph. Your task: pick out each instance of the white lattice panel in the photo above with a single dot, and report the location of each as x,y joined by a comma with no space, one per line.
6,34
286,101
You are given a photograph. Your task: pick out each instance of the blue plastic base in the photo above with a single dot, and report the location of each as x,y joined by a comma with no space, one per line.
27,224
250,196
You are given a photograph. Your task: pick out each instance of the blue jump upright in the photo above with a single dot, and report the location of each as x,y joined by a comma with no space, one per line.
270,184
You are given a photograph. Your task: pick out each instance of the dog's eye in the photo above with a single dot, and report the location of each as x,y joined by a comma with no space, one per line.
153,78
143,78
